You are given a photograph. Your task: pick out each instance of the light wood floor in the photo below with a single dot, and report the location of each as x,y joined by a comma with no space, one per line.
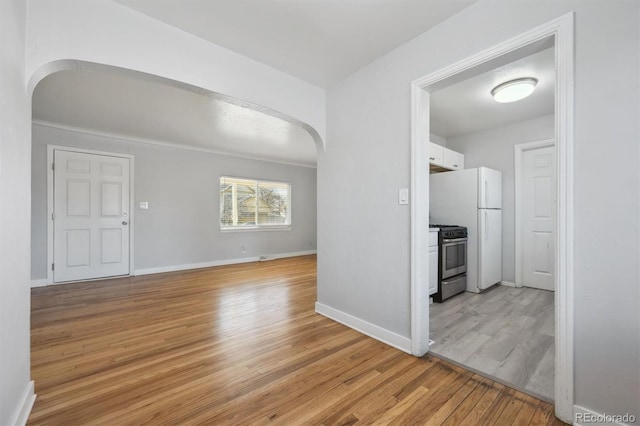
238,345
505,332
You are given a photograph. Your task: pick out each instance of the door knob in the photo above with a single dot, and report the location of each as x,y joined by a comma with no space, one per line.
124,222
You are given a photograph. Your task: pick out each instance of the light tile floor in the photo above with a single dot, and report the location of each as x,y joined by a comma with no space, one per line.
506,333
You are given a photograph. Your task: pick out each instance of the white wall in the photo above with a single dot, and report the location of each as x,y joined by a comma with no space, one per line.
438,140
14,213
493,148
109,33
364,235
181,226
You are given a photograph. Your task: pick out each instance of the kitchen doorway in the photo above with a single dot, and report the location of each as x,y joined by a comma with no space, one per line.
492,326
560,31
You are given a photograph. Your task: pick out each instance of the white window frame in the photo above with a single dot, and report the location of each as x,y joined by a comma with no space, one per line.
258,227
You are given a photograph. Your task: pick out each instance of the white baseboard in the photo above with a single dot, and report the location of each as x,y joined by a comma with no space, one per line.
22,411
508,284
584,416
294,254
184,267
382,334
40,283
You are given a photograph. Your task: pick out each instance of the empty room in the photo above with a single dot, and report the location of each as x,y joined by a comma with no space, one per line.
239,212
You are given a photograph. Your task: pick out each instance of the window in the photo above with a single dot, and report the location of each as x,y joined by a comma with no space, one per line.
251,204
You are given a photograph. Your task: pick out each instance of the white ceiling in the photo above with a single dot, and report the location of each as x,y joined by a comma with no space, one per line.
319,41
134,108
468,107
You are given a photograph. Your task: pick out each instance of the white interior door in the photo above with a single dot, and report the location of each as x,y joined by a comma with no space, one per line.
538,217
91,219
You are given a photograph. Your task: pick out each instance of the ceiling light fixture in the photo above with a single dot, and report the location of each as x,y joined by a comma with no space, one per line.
514,90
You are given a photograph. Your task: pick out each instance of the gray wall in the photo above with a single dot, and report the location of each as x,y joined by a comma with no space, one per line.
14,212
364,235
438,140
493,148
182,223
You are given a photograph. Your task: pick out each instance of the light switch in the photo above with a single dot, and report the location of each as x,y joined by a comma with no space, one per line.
144,205
403,196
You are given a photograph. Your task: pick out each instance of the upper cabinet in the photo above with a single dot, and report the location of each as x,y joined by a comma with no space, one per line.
453,160
443,159
436,154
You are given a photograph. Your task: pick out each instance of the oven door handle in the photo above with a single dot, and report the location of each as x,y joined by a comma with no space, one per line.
454,240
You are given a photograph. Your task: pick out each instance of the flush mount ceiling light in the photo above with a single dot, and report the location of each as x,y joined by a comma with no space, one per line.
514,90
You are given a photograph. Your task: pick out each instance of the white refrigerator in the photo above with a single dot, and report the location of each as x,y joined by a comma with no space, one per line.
472,198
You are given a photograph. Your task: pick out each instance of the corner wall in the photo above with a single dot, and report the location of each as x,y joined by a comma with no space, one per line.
181,227
16,391
364,263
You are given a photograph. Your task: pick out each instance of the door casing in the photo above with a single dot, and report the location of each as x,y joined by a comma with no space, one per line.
562,29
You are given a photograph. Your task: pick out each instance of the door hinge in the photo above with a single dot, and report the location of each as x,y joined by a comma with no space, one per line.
53,266
53,166
53,216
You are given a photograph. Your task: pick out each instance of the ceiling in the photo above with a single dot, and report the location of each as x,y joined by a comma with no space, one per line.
319,41
134,108
467,107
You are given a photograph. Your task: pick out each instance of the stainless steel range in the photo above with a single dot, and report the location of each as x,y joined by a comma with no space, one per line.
452,261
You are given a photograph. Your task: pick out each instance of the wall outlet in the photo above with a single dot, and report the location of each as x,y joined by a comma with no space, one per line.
243,249
144,205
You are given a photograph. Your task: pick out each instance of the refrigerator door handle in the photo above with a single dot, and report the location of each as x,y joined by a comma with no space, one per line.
486,192
486,225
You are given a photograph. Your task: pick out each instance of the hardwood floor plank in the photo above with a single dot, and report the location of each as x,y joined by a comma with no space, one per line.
437,399
455,417
511,410
379,397
238,344
483,406
526,412
497,407
392,415
451,406
542,416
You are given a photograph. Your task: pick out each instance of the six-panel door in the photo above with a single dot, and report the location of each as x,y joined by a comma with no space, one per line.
538,212
91,218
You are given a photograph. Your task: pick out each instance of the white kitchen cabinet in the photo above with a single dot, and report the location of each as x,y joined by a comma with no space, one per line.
453,160
436,153
442,159
433,262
